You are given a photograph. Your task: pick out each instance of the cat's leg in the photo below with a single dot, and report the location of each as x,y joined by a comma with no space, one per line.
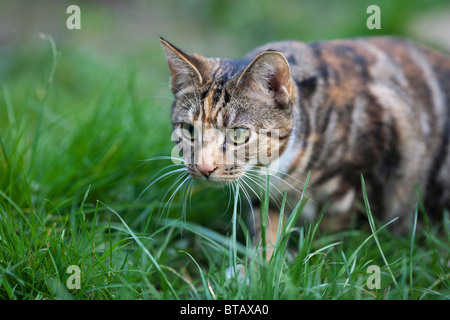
340,212
273,221
399,204
337,200
254,223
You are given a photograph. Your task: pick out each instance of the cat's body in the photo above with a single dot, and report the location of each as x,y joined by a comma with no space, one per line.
376,106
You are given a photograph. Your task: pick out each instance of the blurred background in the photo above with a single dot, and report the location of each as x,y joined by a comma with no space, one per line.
115,33
84,109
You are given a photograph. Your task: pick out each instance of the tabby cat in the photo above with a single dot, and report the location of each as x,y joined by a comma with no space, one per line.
378,106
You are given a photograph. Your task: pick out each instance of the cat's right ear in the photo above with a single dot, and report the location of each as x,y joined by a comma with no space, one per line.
270,73
185,69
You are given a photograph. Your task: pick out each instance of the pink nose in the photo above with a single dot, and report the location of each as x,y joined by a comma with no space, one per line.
206,169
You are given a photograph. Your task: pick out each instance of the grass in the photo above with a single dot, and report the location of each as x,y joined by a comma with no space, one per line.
74,138
69,196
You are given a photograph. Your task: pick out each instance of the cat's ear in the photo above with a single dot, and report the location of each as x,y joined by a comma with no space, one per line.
185,69
269,73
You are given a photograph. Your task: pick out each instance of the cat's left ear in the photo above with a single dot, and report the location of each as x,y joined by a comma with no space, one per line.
186,69
269,73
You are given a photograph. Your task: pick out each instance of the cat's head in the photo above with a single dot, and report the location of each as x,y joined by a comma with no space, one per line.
229,115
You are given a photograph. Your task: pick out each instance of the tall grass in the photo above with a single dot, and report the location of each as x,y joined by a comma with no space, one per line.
71,193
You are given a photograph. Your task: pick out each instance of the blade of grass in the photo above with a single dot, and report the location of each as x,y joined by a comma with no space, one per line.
293,218
416,212
263,216
233,250
48,84
149,255
372,227
202,276
9,105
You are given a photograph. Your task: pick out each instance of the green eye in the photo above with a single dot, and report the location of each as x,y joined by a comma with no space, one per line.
239,135
188,131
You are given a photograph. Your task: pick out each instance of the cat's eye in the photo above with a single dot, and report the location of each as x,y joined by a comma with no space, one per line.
189,131
239,135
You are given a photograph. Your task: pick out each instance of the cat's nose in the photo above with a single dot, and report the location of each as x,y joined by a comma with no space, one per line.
206,169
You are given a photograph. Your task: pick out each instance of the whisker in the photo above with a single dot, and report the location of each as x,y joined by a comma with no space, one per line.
166,175
274,172
187,191
191,191
246,183
249,200
284,181
164,158
239,198
169,202
251,177
233,194
263,182
230,196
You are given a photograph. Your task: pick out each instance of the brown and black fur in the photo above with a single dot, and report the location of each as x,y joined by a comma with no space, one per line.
379,107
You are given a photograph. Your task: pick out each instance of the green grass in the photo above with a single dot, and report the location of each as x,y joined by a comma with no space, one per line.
75,133
69,195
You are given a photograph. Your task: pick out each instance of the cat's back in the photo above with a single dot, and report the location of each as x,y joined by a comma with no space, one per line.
342,55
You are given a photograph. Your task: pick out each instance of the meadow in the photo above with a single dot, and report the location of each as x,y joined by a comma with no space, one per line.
84,129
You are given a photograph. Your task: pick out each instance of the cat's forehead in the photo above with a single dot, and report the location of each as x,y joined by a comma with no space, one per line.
221,102
222,82
216,103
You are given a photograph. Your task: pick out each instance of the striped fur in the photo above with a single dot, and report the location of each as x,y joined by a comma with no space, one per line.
373,106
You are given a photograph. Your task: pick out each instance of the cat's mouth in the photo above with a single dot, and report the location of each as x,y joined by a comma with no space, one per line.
217,177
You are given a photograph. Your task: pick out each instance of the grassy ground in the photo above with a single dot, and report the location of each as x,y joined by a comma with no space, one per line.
76,128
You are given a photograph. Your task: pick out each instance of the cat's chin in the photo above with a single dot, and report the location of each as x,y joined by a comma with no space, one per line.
215,182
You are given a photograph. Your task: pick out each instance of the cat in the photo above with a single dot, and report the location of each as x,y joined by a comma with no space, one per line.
377,107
